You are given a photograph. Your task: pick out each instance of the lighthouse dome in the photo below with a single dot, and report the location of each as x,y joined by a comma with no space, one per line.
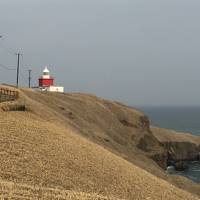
46,71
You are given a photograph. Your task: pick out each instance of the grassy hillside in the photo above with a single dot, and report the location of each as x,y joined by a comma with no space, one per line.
165,135
110,124
10,190
76,142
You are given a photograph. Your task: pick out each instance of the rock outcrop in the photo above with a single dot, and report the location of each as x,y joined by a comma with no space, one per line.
181,148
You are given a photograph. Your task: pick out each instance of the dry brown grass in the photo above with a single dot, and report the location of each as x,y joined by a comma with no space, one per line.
37,152
17,105
45,147
13,191
165,135
98,120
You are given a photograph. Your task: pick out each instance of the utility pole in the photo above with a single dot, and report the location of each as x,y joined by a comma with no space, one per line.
18,59
29,78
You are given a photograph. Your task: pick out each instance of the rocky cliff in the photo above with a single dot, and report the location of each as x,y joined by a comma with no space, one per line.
180,147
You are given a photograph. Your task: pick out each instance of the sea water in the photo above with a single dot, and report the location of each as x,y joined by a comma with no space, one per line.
193,172
181,119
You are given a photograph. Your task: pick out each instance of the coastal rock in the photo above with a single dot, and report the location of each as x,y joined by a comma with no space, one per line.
180,147
160,159
181,165
154,149
179,151
170,169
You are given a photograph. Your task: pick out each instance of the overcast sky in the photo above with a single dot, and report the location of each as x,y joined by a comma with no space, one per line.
140,52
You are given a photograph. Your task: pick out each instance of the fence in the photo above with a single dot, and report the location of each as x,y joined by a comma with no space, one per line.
8,95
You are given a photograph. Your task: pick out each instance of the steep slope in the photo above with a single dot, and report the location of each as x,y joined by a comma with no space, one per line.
83,143
38,152
119,128
10,190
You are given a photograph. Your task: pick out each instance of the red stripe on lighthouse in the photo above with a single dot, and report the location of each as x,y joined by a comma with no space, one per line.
46,82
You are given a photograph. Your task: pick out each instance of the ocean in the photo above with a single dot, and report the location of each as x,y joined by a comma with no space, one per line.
181,119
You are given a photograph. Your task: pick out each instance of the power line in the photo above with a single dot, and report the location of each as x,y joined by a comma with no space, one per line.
6,67
23,76
24,66
18,61
8,50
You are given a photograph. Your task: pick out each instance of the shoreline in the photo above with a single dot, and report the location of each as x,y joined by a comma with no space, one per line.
181,148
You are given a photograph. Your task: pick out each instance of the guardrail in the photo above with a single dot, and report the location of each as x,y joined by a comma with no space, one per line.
8,95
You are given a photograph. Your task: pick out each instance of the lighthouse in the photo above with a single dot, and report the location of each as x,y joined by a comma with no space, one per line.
46,82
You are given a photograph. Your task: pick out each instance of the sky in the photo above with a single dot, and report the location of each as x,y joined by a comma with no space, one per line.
139,52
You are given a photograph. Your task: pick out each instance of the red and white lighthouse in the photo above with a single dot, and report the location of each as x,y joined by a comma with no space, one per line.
46,80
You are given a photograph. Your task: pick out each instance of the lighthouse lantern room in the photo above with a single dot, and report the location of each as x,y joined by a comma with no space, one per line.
46,82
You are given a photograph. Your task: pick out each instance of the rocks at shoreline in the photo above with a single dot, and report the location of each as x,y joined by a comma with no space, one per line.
181,165
181,148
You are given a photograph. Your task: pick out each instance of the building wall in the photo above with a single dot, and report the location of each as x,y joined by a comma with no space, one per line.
46,82
55,89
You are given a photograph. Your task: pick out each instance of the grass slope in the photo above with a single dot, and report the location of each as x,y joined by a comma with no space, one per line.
10,190
78,143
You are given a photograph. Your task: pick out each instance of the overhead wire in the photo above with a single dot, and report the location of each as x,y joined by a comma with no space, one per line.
12,52
22,62
8,50
6,67
22,75
25,80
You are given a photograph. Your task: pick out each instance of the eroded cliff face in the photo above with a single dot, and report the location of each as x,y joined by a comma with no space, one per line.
167,147
180,151
180,147
153,149
141,135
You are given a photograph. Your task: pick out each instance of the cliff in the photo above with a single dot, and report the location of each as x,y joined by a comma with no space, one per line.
181,147
79,142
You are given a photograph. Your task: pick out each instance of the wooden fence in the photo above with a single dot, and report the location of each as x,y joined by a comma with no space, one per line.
8,95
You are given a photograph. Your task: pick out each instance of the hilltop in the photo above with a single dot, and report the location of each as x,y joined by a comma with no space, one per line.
82,144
